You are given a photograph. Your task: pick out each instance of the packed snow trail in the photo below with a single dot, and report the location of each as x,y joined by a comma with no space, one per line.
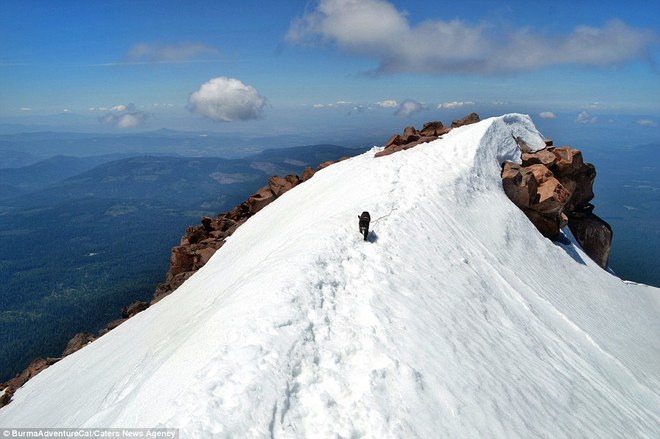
456,319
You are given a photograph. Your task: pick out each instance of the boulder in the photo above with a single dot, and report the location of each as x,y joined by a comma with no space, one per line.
78,342
112,325
593,234
553,188
307,174
35,367
181,260
519,184
543,157
5,396
551,197
433,129
136,307
569,160
394,140
467,120
202,256
261,199
325,164
410,134
548,225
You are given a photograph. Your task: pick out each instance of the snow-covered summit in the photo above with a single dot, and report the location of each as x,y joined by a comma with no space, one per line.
457,319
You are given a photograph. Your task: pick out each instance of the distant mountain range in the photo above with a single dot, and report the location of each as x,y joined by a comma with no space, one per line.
83,236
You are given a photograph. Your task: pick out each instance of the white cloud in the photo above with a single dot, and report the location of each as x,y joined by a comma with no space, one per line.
443,47
25,109
585,117
335,104
409,107
227,100
455,104
123,116
170,53
389,103
547,115
647,123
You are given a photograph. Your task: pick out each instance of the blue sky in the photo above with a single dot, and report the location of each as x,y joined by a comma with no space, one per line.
290,66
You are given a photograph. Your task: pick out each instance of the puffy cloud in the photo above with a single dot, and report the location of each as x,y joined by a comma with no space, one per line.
547,115
409,107
585,117
123,116
647,123
444,47
172,53
227,100
389,103
455,104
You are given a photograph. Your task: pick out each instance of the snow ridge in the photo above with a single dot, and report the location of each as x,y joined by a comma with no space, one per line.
456,319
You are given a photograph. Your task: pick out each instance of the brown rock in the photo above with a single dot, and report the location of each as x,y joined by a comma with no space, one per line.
569,160
278,185
112,325
261,199
548,225
540,172
31,371
433,129
394,140
543,157
5,397
410,134
325,164
467,120
519,184
594,235
179,279
551,197
181,260
307,174
136,307
202,256
78,342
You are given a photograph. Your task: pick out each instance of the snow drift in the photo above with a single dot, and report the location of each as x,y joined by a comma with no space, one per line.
456,319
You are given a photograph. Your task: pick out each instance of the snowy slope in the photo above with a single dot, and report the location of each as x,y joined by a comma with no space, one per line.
457,319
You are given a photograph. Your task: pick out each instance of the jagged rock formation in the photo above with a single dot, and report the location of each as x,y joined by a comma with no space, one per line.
430,131
554,187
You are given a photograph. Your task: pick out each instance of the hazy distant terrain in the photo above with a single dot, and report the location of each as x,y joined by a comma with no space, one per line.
81,237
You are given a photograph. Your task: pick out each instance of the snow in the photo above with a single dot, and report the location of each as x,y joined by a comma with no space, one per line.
457,319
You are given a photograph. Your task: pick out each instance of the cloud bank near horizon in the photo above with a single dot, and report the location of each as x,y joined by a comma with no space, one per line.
440,47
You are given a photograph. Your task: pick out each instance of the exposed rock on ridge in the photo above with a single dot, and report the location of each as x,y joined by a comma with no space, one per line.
554,187
429,132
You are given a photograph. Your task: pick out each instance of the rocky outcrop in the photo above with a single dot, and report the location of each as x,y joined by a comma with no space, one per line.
78,342
31,371
467,120
411,137
553,187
